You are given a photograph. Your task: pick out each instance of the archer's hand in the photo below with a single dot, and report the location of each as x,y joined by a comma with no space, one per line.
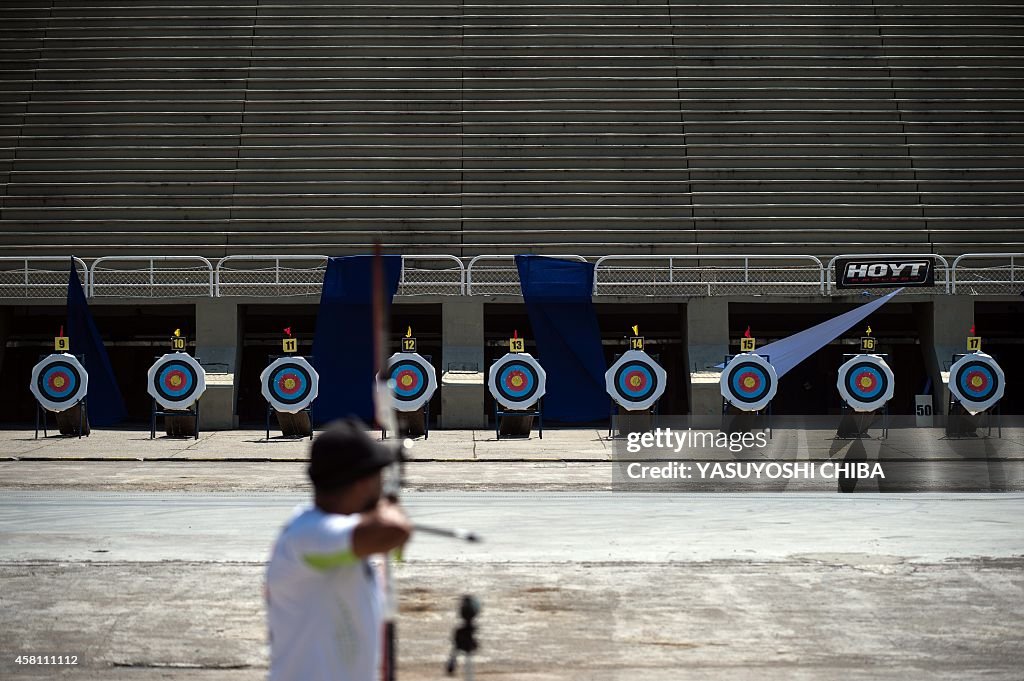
382,529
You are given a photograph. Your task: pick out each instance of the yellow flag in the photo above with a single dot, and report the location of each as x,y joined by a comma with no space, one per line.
869,330
636,329
177,333
408,332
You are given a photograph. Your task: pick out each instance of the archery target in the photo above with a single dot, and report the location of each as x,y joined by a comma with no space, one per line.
413,380
517,380
59,382
289,384
977,381
748,382
176,380
865,382
635,381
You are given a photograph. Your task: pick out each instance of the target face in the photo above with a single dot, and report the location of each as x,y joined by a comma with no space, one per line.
748,382
865,382
59,382
413,380
289,384
635,381
176,380
977,381
517,381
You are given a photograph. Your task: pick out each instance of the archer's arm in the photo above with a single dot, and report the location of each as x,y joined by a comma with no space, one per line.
384,528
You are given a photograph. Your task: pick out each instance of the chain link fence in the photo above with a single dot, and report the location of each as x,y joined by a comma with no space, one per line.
497,275
151,277
271,276
39,277
699,275
994,273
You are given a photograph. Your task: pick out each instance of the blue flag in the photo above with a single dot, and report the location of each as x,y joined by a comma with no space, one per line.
106,406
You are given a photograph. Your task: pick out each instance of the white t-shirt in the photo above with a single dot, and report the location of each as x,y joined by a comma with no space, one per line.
324,605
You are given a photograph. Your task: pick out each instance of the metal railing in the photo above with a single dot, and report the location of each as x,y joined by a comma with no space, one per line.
29,277
497,275
708,275
162,276
45,277
303,275
989,273
942,277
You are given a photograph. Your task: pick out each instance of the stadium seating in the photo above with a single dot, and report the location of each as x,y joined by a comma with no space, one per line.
218,127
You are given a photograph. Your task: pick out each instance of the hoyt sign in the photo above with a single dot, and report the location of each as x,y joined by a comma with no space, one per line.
879,272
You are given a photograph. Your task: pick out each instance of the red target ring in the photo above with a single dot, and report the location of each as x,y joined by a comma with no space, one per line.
289,384
174,380
516,380
866,381
637,381
407,380
750,382
977,381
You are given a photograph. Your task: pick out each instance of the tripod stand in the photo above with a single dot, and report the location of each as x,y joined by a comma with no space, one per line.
463,638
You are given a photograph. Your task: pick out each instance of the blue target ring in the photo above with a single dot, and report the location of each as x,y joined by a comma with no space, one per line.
749,382
409,379
59,382
977,381
636,381
176,381
866,382
517,381
290,384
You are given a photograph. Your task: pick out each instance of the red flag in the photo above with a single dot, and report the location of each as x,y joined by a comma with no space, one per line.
61,334
746,334
288,331
972,329
515,333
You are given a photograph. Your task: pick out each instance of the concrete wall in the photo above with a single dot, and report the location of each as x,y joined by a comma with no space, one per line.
218,347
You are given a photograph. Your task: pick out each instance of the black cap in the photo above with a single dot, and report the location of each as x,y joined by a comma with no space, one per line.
344,453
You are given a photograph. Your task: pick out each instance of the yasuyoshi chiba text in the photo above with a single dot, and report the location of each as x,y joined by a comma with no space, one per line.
754,470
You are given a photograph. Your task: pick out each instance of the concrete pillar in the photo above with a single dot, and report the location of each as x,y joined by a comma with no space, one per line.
707,343
943,328
463,374
218,347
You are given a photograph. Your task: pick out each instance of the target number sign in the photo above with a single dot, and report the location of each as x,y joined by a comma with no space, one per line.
59,382
413,380
865,382
178,343
748,344
517,345
289,384
408,344
973,343
748,382
61,343
636,342
290,345
977,381
176,380
635,381
517,380
867,344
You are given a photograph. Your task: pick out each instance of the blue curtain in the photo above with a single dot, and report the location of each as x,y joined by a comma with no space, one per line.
343,343
106,406
557,295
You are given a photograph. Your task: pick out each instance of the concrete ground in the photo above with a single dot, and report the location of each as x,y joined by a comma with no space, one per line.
145,559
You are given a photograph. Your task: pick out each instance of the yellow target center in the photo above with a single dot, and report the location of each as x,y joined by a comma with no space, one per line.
749,382
406,381
865,382
634,381
517,381
175,381
976,381
289,384
58,381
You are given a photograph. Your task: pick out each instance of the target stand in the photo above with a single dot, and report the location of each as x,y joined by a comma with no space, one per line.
517,382
749,386
60,384
176,381
865,380
635,383
414,382
976,385
290,384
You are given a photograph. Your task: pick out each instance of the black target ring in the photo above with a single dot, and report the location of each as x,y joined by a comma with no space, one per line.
754,368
